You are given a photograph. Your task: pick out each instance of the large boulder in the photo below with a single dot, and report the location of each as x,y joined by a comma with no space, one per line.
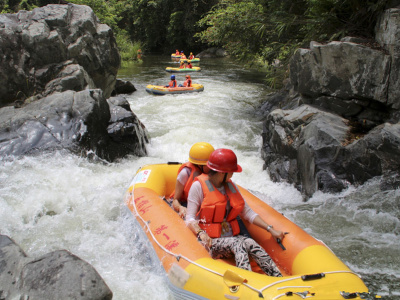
316,150
58,65
78,121
338,121
55,48
55,275
388,36
341,69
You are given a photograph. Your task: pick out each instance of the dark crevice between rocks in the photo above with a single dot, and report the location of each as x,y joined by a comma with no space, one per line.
356,131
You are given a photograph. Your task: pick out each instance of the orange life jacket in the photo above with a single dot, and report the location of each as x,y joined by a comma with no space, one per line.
195,171
187,83
172,83
213,209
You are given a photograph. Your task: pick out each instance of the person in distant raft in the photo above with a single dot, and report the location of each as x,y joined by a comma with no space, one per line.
189,65
197,164
177,52
172,83
182,65
183,56
191,56
187,82
214,205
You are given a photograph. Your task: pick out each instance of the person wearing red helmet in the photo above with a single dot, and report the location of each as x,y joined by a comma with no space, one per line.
188,81
214,207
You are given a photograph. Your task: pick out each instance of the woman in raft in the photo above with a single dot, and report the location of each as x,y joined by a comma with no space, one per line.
214,205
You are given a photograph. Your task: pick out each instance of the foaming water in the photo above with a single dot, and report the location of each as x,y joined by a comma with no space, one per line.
61,201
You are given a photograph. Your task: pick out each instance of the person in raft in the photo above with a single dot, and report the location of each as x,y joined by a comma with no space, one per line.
183,56
197,164
214,204
189,65
172,83
183,64
187,82
191,56
177,52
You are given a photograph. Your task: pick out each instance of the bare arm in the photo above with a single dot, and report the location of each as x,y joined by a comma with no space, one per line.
194,202
176,204
276,234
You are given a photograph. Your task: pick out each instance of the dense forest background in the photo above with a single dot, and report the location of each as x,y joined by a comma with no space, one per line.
262,33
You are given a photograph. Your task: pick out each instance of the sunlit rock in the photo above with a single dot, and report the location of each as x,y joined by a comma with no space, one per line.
37,46
55,275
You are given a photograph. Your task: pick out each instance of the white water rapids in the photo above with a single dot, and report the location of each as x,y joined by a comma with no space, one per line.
61,201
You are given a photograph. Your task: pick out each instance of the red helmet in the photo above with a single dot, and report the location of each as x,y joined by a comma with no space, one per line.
224,161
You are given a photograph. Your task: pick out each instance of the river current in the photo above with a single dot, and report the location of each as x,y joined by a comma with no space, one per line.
58,200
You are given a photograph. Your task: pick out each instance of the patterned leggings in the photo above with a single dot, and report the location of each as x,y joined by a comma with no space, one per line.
242,247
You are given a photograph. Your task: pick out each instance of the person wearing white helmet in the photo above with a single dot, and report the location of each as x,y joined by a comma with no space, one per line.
214,209
197,165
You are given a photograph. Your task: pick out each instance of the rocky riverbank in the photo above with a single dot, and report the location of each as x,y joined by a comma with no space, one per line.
337,121
58,68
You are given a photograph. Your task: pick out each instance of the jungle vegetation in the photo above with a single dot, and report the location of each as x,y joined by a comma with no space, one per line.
259,32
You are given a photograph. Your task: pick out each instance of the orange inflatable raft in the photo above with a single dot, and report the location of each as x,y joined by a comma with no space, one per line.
310,269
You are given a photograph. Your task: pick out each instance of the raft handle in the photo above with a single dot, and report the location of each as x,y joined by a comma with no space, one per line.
174,163
312,276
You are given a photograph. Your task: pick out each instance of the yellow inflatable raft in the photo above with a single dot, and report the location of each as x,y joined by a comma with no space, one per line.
310,269
184,70
194,60
162,90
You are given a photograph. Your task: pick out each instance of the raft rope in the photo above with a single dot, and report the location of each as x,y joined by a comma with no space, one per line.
179,256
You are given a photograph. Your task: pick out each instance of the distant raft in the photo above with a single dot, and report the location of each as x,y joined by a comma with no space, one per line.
194,60
162,90
184,70
173,55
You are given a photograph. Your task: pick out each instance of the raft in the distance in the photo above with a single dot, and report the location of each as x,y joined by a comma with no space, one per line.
193,60
162,90
184,70
310,269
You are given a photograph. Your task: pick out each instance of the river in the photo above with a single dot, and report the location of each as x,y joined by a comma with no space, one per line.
61,201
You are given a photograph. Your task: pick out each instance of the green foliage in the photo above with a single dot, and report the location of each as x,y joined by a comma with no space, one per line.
106,11
235,25
263,33
267,32
127,49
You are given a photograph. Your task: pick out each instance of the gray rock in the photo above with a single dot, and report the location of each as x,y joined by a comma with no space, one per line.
55,275
123,87
77,121
125,129
388,36
340,119
55,48
341,69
